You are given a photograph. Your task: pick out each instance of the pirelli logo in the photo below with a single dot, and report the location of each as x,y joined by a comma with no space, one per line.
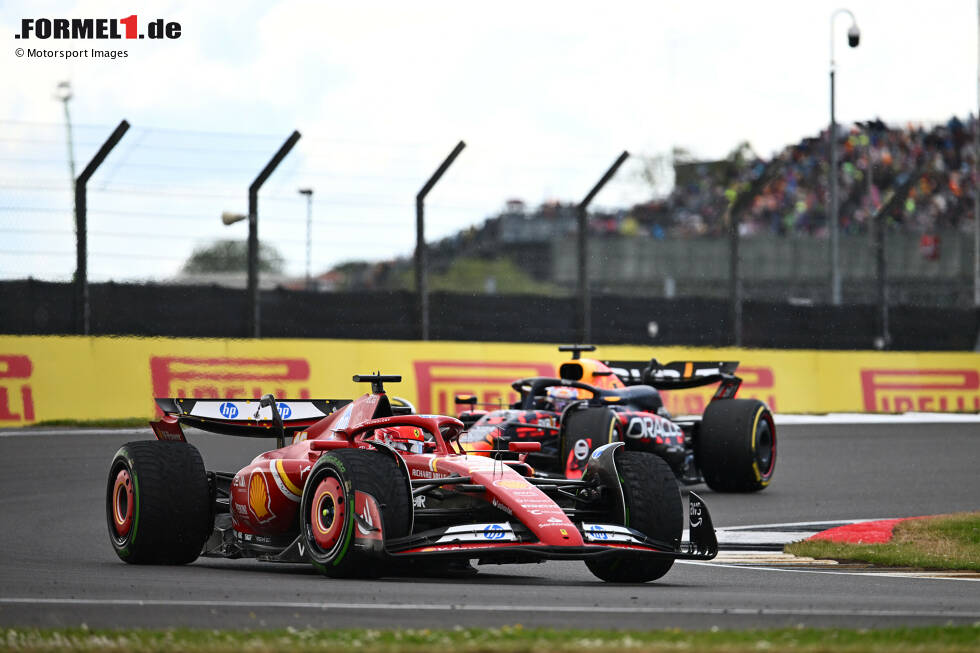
440,381
227,378
930,390
16,395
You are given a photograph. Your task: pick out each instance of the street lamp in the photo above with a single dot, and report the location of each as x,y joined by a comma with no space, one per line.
231,218
853,38
63,93
309,232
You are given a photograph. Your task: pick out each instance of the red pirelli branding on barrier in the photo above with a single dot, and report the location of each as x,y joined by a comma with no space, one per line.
227,378
440,381
16,396
926,390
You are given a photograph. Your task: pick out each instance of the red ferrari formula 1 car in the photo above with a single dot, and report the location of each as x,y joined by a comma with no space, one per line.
367,489
732,447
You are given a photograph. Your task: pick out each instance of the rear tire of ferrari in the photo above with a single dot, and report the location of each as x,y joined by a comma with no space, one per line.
158,505
736,445
327,515
653,507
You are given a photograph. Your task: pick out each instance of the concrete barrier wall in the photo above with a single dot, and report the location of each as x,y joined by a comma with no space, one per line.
49,378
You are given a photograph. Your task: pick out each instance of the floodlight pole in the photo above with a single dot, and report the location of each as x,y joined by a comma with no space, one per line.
421,263
253,232
735,274
585,299
976,181
832,214
308,192
82,309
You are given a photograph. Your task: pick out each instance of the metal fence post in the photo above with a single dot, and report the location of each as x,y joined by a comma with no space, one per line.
253,232
82,309
421,255
585,298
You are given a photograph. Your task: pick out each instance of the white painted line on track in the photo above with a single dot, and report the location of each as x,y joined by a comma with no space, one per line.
918,575
876,418
17,433
460,607
800,524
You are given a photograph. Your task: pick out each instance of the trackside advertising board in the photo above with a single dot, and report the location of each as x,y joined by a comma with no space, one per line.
47,378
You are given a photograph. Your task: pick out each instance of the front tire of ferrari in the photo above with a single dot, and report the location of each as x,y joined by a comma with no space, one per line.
736,445
327,510
158,505
653,507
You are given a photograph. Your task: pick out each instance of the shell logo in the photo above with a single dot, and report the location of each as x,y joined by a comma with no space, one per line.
258,498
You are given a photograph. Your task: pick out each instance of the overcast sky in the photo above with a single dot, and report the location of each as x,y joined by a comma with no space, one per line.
545,94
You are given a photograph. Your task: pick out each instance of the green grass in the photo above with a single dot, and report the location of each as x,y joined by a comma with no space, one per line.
508,639
121,422
950,542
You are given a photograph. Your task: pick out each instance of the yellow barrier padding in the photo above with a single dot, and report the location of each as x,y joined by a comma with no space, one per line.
48,377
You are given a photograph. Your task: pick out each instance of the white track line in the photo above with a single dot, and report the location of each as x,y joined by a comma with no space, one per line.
17,433
459,607
917,575
876,418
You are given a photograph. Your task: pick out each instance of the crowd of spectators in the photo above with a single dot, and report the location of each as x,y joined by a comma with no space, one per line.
918,178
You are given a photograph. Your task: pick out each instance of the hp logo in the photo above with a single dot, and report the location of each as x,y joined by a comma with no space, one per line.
228,410
494,532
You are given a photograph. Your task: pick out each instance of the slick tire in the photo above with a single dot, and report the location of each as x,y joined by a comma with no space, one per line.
158,504
327,514
735,446
653,507
581,432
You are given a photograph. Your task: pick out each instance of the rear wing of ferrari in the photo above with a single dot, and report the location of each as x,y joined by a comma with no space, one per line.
679,375
250,418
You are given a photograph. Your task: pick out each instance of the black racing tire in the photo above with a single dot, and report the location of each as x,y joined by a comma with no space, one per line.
327,520
735,447
653,507
158,504
582,431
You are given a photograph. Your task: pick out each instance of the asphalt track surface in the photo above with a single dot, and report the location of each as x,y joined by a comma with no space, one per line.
58,569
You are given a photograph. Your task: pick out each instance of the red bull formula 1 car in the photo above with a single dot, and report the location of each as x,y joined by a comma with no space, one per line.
731,448
365,488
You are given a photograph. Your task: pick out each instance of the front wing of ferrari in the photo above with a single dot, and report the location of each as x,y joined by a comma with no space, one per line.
512,541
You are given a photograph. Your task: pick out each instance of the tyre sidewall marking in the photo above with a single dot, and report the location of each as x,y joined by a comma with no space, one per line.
755,461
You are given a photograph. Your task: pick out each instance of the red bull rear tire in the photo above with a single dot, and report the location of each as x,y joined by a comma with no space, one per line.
735,447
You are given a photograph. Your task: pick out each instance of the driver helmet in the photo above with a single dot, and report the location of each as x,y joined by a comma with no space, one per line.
560,396
409,439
